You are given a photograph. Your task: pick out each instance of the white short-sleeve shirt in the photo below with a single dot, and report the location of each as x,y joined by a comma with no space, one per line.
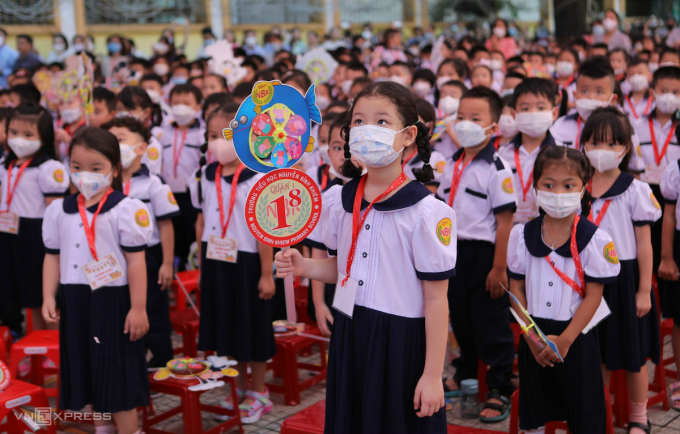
670,189
123,225
632,204
643,132
406,239
437,162
485,189
42,178
238,228
548,296
157,196
637,109
189,158
152,158
566,131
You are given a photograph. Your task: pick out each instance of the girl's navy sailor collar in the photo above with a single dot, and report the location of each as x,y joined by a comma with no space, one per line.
619,187
71,203
585,229
407,196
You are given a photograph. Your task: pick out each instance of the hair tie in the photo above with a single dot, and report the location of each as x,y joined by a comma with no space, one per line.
417,121
426,164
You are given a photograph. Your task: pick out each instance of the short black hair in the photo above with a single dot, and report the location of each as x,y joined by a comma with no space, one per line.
219,98
516,75
456,83
666,72
139,61
187,88
102,141
357,66
597,67
490,96
134,125
27,92
26,37
476,49
103,94
426,111
425,74
609,123
406,65
635,61
151,77
221,79
134,96
626,56
338,103
668,50
459,65
34,113
600,47
298,77
537,86
243,90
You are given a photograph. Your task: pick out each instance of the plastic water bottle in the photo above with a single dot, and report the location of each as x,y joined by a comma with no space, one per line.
469,399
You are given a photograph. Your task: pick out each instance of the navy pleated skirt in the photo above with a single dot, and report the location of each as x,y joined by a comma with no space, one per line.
670,290
21,262
626,341
375,362
235,322
110,374
572,391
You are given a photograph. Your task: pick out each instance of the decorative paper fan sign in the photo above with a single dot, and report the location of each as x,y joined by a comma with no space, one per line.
5,376
85,83
318,64
224,63
206,372
68,85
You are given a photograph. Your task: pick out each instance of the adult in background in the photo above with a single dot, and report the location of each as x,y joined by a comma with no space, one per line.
500,40
8,56
60,49
28,58
613,37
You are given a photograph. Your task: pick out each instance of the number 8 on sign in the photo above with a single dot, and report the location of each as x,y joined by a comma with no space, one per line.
283,207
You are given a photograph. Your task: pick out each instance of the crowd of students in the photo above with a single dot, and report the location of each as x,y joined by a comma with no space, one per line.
452,174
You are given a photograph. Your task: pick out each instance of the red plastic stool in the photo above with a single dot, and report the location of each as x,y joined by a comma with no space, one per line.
5,343
186,323
619,387
190,281
19,393
286,363
36,345
552,426
191,407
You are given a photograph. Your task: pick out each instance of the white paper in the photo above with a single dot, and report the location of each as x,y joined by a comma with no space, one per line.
601,313
345,295
102,272
222,249
653,173
9,222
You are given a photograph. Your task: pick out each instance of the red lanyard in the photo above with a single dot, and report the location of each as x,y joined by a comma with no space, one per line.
457,174
126,187
578,132
10,189
632,107
568,82
658,156
232,198
603,210
620,77
324,178
89,230
577,261
67,128
407,159
497,143
177,152
357,223
525,186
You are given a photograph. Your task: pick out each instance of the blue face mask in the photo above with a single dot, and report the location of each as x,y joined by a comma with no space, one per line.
512,31
180,80
114,47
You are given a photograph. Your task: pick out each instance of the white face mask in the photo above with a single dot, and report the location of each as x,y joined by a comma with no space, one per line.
604,160
223,150
2,41
499,32
585,106
443,80
335,173
507,127
22,147
550,68
70,115
619,71
401,80
322,102
667,103
373,146
534,124
485,62
559,205
90,184
496,65
182,114
449,105
506,92
421,88
59,47
469,134
160,48
609,24
323,153
638,82
653,66
155,96
161,69
78,47
564,69
346,87
127,154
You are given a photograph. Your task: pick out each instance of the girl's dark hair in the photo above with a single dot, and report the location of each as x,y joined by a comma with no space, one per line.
131,124
220,99
407,111
5,112
135,96
611,125
106,144
459,65
33,113
221,79
298,77
334,120
551,156
426,110
228,111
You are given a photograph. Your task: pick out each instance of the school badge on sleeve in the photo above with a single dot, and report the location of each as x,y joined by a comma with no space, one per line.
655,202
610,253
171,198
507,185
444,231
58,176
142,218
153,154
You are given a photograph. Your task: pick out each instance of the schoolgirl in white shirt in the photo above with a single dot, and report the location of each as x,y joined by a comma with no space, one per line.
558,265
95,286
30,179
625,208
391,264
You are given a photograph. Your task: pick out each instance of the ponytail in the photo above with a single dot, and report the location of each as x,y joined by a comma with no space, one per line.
425,174
585,203
348,168
156,115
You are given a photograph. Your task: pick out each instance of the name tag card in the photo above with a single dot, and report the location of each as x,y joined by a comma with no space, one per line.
9,222
344,298
525,211
653,173
102,272
222,249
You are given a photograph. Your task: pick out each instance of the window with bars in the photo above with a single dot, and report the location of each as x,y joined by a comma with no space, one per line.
22,12
276,11
144,11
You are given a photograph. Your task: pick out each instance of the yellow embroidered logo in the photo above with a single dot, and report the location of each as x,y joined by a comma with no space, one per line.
153,154
507,185
440,166
58,176
142,218
639,151
444,231
171,198
654,201
610,253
